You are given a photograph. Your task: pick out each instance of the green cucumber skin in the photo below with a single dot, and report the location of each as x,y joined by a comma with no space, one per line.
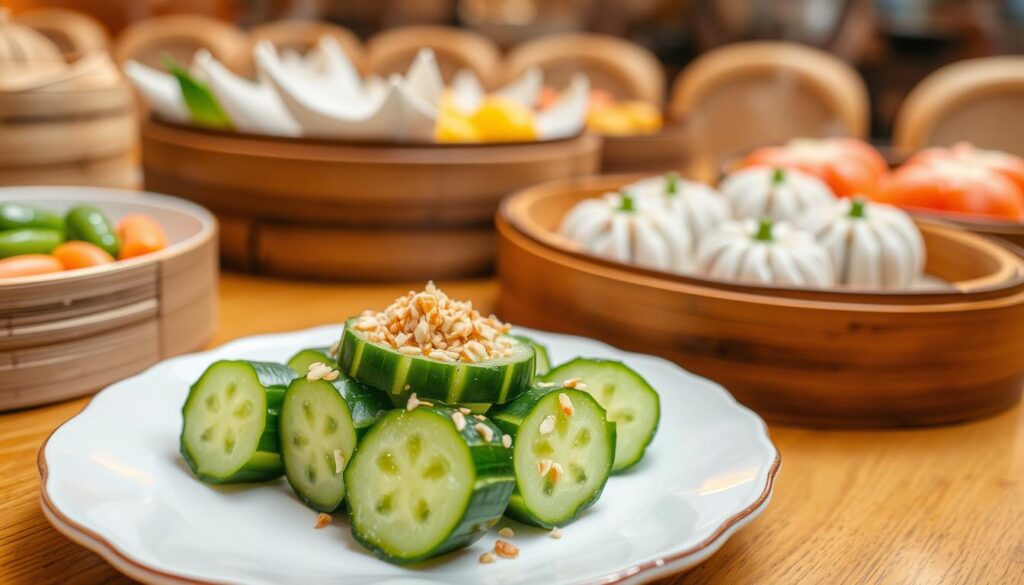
15,216
266,462
495,482
555,376
29,241
509,417
89,224
541,351
301,360
375,366
367,404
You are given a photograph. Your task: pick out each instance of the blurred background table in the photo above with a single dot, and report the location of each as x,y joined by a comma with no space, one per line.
925,506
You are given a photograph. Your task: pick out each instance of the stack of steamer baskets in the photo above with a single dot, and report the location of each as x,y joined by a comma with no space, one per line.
326,208
837,356
67,334
66,114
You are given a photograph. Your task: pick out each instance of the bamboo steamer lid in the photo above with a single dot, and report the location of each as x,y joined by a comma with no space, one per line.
25,51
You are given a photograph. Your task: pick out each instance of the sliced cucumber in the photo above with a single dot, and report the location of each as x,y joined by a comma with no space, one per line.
301,361
230,430
541,351
493,381
563,454
418,487
632,404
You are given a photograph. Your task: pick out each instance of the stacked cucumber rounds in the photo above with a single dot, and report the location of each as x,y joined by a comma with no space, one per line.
388,423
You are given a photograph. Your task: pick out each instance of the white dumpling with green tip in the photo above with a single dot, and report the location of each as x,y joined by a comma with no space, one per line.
776,193
872,245
763,252
614,227
697,207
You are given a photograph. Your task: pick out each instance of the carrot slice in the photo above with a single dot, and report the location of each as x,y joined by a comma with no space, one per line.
77,254
29,265
140,234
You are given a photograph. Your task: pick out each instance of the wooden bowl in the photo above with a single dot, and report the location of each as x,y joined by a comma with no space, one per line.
348,211
829,358
68,334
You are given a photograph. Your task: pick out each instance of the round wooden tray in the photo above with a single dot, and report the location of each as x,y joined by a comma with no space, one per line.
346,211
68,334
812,357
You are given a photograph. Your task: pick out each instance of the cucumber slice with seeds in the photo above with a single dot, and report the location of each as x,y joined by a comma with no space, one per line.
492,381
230,430
632,404
301,361
563,454
419,487
543,362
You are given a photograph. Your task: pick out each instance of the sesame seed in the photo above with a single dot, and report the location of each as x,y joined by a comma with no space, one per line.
545,384
464,410
487,558
544,466
506,441
480,417
571,383
332,375
410,350
547,425
333,351
485,431
507,532
412,403
556,533
339,461
460,420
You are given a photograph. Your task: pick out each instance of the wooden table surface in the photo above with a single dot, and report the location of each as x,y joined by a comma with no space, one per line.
942,505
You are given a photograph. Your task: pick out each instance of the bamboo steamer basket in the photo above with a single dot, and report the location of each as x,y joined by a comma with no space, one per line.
60,122
828,358
333,210
68,334
627,71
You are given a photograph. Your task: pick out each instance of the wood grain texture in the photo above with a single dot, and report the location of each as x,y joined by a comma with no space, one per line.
924,507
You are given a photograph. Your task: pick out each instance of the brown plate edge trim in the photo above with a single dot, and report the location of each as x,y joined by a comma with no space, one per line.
97,544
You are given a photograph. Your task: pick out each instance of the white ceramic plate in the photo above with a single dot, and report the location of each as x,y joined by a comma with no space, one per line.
114,482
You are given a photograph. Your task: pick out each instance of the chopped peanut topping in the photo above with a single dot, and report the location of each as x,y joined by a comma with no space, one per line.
556,533
506,441
506,549
429,323
566,404
319,371
485,431
339,461
507,532
487,558
414,402
332,375
547,425
464,410
544,466
460,420
574,383
556,472
322,520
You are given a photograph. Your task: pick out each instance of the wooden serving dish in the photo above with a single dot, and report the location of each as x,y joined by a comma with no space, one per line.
68,334
812,357
345,211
